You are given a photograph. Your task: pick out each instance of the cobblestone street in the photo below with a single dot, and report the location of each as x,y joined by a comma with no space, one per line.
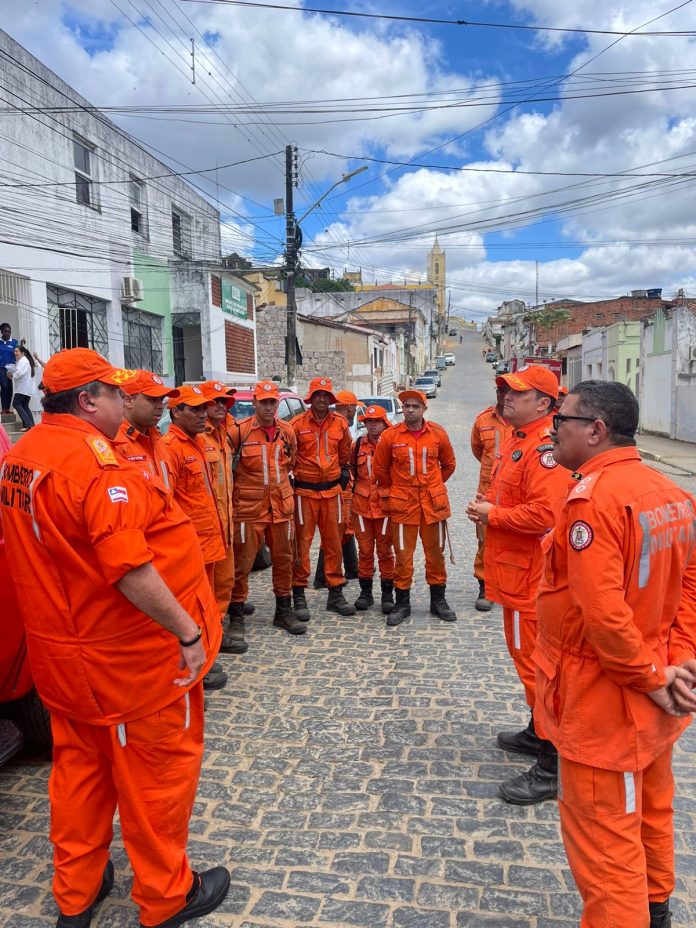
351,775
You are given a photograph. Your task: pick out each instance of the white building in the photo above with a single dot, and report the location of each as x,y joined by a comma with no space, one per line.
103,247
668,373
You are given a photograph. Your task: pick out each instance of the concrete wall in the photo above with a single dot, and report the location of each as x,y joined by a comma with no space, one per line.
656,378
685,385
594,355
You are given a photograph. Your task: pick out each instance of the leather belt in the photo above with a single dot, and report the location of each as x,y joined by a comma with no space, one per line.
306,485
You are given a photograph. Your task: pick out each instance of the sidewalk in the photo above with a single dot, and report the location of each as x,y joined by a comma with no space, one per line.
678,454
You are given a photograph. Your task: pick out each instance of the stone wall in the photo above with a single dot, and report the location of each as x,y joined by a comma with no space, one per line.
271,329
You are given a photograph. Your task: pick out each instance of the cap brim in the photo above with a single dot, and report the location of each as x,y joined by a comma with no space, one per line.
519,387
332,401
412,395
159,392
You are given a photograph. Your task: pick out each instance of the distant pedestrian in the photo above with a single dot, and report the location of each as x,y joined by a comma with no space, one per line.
7,356
23,385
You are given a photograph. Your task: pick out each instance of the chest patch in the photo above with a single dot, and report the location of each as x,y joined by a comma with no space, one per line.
516,455
580,536
547,460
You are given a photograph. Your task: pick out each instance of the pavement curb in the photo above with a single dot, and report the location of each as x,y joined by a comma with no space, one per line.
653,456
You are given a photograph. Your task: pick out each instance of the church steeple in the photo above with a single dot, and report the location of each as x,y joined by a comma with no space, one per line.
437,273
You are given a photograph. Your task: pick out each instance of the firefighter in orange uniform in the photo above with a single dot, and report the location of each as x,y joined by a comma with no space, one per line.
562,393
488,433
321,473
370,519
192,484
413,462
615,676
138,439
521,505
118,662
264,449
219,457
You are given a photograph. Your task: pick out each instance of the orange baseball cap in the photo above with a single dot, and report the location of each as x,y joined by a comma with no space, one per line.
266,390
413,395
149,384
74,367
318,385
217,390
563,391
190,396
532,377
374,412
346,398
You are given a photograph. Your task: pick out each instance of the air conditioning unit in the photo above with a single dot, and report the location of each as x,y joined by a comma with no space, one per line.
131,290
692,354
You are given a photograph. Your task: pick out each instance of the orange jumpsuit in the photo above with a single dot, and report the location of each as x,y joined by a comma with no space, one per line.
219,458
370,519
192,486
323,448
77,518
414,468
145,449
617,603
528,490
264,502
488,433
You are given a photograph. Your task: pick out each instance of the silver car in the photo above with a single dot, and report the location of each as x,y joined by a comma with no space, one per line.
427,386
392,404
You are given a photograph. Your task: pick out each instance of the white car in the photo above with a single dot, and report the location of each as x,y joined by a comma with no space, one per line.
451,360
392,404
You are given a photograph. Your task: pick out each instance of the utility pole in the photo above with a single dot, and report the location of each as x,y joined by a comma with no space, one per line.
409,362
290,268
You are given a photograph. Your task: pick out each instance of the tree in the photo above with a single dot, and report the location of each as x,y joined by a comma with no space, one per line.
326,285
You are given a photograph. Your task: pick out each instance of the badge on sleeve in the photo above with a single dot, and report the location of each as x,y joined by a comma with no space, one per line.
516,455
580,536
118,494
548,460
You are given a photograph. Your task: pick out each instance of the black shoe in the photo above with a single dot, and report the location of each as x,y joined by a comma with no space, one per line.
84,919
299,604
537,784
350,558
319,575
483,604
233,637
520,742
336,602
439,605
249,609
387,596
214,681
402,607
211,887
285,617
366,599
660,916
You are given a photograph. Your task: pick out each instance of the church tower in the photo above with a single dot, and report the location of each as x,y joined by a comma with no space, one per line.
437,275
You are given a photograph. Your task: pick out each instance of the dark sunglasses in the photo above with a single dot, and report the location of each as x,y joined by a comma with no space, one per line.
557,419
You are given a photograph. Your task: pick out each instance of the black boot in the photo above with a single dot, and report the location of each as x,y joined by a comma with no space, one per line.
538,784
208,892
319,575
660,916
249,609
483,604
285,617
366,599
299,604
214,680
84,919
350,558
336,602
387,596
439,605
520,742
233,637
402,608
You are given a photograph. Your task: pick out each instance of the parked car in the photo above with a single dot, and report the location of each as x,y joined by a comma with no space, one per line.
450,358
453,332
433,372
427,385
441,362
491,356
502,367
392,404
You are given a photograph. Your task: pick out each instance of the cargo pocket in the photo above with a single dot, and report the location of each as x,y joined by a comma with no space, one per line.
512,573
398,500
439,500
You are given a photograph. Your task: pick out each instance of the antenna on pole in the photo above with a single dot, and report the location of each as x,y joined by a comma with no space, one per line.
193,61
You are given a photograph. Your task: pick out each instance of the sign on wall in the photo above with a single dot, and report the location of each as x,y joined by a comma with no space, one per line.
234,300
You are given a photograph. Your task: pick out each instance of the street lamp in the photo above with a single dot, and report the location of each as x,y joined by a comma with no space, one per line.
293,243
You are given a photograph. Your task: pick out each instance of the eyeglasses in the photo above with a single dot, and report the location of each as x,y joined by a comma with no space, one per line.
556,420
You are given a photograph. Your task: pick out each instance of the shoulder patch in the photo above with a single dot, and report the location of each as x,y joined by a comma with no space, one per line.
580,535
102,451
548,460
548,447
584,489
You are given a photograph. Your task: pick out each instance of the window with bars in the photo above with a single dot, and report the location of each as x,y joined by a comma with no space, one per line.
76,320
138,205
181,233
142,340
84,162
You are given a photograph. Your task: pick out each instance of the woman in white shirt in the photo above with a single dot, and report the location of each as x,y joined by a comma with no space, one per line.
23,384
